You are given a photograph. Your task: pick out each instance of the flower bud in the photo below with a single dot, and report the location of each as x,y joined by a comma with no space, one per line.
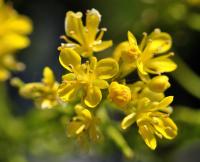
119,93
159,83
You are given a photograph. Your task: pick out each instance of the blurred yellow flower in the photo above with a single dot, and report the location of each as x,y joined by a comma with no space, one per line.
44,93
145,57
88,77
85,124
84,39
13,36
152,119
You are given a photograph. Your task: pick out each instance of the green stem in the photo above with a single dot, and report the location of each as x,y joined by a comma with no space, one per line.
114,134
187,78
187,115
119,140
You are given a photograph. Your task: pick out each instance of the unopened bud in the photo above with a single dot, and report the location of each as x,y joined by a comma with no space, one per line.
119,94
159,83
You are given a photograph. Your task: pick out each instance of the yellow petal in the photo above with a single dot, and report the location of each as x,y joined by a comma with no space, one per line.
148,136
141,69
4,74
74,128
69,77
69,57
93,97
12,42
161,42
74,26
86,114
93,63
166,127
32,90
158,65
106,68
78,109
68,91
102,84
85,52
143,42
128,121
20,25
48,76
143,76
102,45
9,61
132,40
147,53
122,47
171,128
165,102
93,19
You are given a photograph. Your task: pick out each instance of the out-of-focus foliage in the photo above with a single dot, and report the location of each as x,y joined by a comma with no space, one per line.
141,15
36,134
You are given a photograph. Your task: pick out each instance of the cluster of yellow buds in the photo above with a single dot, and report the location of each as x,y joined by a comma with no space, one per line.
89,82
13,37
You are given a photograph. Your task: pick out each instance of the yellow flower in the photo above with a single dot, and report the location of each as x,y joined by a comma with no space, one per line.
119,94
87,77
84,124
13,31
147,57
87,38
44,93
126,54
152,119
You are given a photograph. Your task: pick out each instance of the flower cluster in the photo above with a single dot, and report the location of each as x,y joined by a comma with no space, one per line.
43,93
89,82
13,37
144,101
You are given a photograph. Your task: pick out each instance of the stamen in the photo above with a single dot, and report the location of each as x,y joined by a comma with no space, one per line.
100,36
143,42
65,38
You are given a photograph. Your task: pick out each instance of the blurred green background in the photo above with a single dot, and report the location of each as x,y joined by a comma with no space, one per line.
29,134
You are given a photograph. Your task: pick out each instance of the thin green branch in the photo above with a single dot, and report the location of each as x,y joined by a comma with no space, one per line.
187,78
187,115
